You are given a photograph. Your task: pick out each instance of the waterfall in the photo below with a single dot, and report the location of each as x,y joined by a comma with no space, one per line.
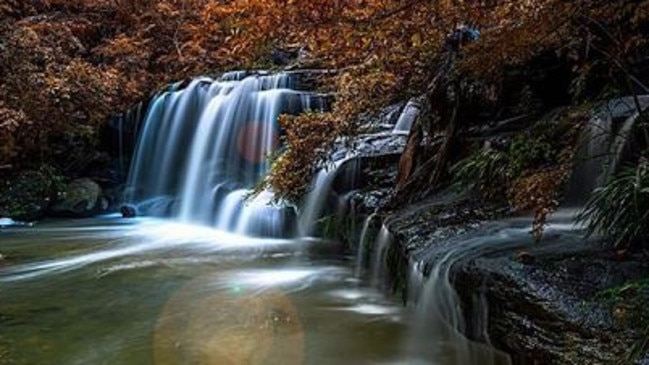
439,329
456,332
439,322
362,242
606,137
346,170
407,117
205,146
316,199
381,246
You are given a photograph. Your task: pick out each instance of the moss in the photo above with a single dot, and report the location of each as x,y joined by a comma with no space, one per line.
340,227
397,264
624,291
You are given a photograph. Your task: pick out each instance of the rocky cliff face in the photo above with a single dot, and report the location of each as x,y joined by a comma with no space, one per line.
553,310
564,300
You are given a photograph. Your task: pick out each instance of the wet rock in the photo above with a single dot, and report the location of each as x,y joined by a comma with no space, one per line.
114,197
524,257
128,211
558,309
563,301
374,171
81,199
547,304
367,202
284,57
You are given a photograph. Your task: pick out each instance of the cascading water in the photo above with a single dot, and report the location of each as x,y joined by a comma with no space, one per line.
203,148
321,188
606,136
442,323
360,255
381,246
439,329
439,332
407,117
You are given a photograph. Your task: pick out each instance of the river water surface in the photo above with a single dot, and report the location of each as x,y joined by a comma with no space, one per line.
147,291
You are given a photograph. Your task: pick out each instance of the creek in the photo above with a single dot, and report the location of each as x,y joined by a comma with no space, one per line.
150,291
208,275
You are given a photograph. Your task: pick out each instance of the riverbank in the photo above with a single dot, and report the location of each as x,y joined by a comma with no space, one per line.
563,300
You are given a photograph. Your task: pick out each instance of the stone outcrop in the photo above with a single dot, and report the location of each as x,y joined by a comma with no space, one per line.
82,198
563,301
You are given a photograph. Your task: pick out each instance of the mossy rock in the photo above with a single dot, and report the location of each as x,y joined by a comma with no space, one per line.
82,198
26,195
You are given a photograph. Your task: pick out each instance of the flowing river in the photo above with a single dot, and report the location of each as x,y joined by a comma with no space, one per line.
217,282
149,291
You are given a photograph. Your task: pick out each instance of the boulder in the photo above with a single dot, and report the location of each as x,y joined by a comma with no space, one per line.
81,199
569,306
284,57
128,211
562,301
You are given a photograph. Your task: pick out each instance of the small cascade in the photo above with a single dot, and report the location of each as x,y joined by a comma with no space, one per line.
362,245
439,329
120,133
205,145
605,141
314,203
407,117
380,253
345,175
480,313
120,144
456,332
439,322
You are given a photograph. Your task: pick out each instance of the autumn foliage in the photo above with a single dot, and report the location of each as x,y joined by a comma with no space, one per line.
67,65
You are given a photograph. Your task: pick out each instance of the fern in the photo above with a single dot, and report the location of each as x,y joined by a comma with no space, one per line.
620,209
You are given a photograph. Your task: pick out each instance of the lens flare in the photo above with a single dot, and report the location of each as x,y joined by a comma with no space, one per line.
255,141
212,323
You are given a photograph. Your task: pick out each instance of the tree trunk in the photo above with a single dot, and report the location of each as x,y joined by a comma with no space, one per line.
442,156
408,160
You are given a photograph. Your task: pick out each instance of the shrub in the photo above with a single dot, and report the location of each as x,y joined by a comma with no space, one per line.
539,146
530,172
538,191
487,173
620,209
308,137
25,195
